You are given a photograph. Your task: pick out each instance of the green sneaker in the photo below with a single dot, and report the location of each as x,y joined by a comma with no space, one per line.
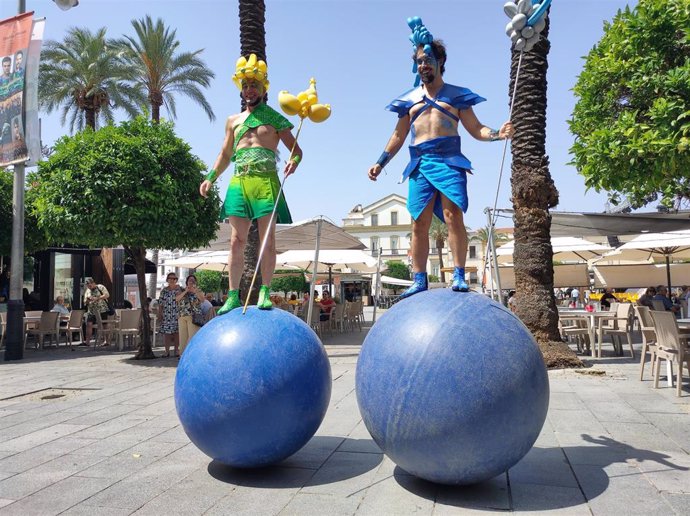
264,302
232,302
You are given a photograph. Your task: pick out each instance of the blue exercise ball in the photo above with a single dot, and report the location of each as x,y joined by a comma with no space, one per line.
452,386
252,389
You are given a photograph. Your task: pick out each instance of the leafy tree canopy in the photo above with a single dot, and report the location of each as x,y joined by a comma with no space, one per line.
289,283
208,281
134,185
34,238
632,118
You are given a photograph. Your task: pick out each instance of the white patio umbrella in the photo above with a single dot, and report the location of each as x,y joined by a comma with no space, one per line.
566,249
329,259
655,246
203,260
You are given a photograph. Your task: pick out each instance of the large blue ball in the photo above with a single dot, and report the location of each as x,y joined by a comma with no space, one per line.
252,389
452,386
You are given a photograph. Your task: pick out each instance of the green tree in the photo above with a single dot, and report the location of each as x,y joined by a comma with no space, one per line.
289,283
209,281
533,194
396,269
161,71
632,118
87,79
252,15
34,238
127,185
438,232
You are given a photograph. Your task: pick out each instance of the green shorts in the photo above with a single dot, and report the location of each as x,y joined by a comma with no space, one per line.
254,187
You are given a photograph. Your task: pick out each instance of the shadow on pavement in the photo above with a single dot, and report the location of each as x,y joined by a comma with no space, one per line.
585,464
306,467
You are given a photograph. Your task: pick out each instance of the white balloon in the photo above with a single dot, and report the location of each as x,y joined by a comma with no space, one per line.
509,28
527,32
514,36
530,44
510,9
533,8
520,44
519,21
524,6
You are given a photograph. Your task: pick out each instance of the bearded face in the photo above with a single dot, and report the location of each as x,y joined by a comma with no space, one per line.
252,92
428,67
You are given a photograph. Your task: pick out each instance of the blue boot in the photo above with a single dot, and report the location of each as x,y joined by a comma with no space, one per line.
421,283
459,284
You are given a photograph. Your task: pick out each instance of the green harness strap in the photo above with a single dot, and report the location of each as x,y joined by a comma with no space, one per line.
262,115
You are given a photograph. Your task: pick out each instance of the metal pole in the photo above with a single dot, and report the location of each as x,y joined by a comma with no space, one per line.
377,285
316,269
492,245
15,304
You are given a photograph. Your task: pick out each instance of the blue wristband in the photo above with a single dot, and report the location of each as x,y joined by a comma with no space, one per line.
384,159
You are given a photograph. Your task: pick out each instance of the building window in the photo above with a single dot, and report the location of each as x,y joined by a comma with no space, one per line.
394,218
394,245
375,246
473,252
474,279
374,219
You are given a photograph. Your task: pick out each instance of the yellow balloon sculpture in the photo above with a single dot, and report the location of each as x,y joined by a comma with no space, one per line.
305,104
251,68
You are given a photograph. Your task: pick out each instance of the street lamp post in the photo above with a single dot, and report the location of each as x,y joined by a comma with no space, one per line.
15,306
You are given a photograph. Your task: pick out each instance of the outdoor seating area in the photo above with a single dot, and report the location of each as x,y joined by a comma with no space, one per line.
662,337
342,318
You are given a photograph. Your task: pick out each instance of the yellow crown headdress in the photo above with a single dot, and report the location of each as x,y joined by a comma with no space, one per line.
251,68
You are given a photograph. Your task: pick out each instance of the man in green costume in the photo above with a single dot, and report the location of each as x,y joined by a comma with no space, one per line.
251,142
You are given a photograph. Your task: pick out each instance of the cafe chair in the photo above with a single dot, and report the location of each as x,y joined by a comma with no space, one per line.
670,346
47,326
618,326
658,305
338,318
129,327
644,317
74,325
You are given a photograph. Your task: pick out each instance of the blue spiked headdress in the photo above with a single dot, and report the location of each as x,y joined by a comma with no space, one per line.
420,36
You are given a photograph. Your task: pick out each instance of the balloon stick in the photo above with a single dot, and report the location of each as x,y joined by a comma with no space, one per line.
270,221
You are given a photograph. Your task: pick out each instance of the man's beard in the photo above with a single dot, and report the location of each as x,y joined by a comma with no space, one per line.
427,78
254,102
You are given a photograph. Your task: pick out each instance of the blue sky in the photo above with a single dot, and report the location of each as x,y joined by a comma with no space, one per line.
359,53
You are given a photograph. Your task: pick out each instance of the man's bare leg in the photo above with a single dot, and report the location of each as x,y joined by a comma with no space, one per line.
420,250
457,241
268,261
238,242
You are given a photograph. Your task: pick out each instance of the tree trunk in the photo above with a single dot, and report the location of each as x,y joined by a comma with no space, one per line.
139,257
533,193
152,286
439,250
90,115
252,41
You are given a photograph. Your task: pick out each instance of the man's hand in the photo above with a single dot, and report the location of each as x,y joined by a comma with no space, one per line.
506,131
205,188
374,172
290,168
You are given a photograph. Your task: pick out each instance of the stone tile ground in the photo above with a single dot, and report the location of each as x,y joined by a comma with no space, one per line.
112,445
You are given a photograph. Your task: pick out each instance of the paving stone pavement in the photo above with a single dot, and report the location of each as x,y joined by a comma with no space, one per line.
111,444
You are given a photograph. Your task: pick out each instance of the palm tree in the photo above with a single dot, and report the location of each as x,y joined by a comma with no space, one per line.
533,193
161,71
85,77
252,41
438,232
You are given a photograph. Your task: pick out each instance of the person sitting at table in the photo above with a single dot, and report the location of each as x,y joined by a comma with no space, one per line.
607,299
59,306
293,300
646,298
661,295
325,305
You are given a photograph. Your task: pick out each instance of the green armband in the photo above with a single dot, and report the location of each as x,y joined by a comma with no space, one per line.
296,158
211,176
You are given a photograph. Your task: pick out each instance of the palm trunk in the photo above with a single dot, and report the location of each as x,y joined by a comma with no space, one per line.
533,193
90,114
139,256
152,285
252,41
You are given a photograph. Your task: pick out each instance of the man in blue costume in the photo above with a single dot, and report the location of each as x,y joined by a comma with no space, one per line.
437,171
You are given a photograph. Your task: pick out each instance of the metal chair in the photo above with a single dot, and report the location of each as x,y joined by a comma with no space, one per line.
617,326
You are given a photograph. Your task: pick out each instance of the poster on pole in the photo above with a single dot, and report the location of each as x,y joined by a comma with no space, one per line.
32,134
15,36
